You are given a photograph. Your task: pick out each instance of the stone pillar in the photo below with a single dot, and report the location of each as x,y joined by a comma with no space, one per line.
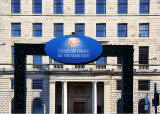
52,97
107,100
94,97
64,97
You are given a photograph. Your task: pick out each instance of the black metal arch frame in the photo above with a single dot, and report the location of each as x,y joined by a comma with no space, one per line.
22,50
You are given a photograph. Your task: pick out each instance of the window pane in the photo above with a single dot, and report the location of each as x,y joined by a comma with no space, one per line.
100,6
122,6
122,30
101,30
58,30
119,85
144,30
37,30
13,55
79,6
119,60
12,84
101,63
144,85
80,29
15,6
144,6
37,84
16,30
143,55
58,6
50,60
37,6
37,59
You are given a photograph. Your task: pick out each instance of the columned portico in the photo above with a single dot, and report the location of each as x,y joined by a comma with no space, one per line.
76,97
64,97
94,97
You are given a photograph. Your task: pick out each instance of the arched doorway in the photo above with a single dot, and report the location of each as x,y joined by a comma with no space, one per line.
38,106
12,106
119,106
141,106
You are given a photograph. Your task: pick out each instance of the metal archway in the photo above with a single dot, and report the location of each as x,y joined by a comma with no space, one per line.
22,50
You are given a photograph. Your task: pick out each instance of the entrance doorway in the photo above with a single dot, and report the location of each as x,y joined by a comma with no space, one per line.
79,107
79,97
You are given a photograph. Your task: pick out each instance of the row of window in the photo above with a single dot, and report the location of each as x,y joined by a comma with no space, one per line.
142,85
80,29
36,84
80,6
100,63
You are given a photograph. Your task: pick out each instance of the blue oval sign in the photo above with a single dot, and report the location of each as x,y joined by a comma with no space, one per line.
73,49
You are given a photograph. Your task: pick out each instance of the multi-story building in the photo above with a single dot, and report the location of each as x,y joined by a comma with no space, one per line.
70,88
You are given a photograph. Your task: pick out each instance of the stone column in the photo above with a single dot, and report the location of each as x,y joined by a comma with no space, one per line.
52,97
107,100
94,97
64,97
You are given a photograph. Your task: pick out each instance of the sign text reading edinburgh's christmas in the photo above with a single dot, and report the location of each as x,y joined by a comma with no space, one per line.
73,50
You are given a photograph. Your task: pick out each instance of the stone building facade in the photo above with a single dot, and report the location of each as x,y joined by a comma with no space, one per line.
70,88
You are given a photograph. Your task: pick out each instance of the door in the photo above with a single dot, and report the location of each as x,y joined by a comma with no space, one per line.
79,107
